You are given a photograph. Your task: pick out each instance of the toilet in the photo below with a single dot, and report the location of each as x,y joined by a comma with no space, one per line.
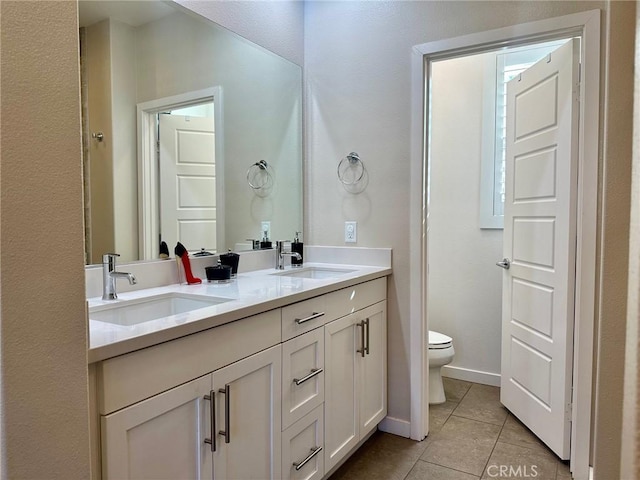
440,354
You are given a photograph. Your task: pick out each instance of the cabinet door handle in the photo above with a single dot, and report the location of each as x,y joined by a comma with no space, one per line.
313,316
362,339
367,344
313,373
314,452
212,410
227,413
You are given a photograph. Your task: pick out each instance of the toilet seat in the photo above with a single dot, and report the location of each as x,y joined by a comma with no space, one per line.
439,341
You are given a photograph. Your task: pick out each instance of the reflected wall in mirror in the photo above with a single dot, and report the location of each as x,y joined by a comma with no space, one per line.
176,109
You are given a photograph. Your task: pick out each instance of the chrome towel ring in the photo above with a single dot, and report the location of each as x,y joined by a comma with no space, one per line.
259,176
350,169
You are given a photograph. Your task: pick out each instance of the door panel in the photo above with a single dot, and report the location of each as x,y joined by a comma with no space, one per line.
373,387
254,413
540,238
160,438
188,181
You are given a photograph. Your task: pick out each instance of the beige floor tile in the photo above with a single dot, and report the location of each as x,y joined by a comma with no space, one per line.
380,465
454,389
394,443
482,403
563,471
429,471
462,444
438,414
513,462
515,433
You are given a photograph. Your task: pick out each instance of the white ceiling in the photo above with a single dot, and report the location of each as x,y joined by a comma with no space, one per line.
133,13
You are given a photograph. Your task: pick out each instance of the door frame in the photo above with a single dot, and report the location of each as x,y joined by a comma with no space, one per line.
587,26
148,172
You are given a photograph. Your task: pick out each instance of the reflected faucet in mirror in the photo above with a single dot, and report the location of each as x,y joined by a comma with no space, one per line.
151,73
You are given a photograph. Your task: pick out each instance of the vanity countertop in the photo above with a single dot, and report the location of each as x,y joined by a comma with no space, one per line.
250,293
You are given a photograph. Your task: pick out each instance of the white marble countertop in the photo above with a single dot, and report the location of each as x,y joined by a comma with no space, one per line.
250,293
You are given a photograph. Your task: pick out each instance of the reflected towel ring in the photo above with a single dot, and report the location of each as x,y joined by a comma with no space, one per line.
259,176
350,169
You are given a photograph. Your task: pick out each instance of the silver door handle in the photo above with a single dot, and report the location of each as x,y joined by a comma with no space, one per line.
212,410
313,373
366,349
314,452
227,413
505,263
313,316
363,350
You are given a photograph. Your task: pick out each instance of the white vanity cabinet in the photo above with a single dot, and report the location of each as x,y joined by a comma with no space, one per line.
172,435
284,394
355,380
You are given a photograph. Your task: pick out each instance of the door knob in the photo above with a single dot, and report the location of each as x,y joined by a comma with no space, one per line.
505,263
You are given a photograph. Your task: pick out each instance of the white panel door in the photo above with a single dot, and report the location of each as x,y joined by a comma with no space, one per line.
540,242
160,438
249,413
187,181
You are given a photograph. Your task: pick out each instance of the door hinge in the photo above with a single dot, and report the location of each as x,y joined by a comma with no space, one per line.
568,412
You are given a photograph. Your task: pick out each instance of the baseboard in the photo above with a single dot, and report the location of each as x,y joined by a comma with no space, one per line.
475,376
395,426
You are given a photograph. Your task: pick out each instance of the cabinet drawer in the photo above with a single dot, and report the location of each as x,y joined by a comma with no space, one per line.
129,378
349,300
302,375
303,317
304,440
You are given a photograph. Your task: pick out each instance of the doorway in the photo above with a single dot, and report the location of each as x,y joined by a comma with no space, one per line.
181,171
586,26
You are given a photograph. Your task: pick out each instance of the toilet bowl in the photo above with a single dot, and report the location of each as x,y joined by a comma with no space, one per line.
440,354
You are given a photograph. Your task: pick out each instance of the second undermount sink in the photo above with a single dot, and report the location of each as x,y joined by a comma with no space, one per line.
133,312
315,272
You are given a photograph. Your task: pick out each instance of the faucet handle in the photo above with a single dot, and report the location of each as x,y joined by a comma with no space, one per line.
109,257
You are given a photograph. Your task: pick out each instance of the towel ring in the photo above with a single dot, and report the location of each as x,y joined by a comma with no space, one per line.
350,163
259,176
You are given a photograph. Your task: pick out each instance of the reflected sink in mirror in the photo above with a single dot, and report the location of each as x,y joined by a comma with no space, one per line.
319,273
134,312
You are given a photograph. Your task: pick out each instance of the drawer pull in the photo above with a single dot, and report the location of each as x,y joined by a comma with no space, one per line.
314,452
313,316
366,349
313,373
227,413
212,409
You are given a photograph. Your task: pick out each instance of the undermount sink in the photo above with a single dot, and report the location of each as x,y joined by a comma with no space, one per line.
315,272
134,312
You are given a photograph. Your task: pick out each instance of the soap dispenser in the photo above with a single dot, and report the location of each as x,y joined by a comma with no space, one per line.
297,247
265,242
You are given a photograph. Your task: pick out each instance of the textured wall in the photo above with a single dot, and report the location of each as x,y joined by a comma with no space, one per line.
465,286
616,201
43,333
274,25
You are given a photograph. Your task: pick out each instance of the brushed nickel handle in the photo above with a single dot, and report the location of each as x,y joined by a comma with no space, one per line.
227,413
212,410
313,373
362,339
367,337
504,263
313,316
314,452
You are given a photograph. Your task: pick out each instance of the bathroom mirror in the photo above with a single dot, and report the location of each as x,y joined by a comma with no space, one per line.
191,133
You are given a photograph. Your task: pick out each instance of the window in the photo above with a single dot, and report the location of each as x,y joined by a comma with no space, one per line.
501,68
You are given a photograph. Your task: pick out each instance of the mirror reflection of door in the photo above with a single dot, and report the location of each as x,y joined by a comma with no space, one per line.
187,177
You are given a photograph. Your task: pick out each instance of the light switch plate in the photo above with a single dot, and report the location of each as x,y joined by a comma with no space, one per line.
350,232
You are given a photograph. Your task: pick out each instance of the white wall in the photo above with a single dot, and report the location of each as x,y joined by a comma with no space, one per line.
275,25
465,286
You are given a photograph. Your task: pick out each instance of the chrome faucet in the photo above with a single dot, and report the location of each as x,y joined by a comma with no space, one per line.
109,276
280,254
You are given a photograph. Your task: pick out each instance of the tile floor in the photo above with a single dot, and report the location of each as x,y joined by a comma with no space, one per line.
472,436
